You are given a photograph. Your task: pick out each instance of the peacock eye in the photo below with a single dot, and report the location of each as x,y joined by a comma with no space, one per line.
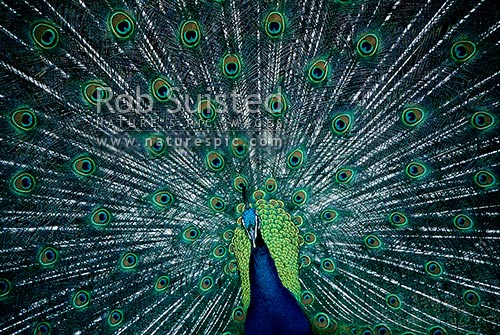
321,321
101,217
206,283
162,283
48,256
43,328
274,24
307,298
239,147
231,66
206,110
240,183
463,222
271,185
156,146
484,179
393,301
471,298
299,198
309,238
462,51
329,215
382,330
258,195
295,159
232,266
217,204
415,170
115,317
23,182
191,233
305,261
121,24
129,260
344,176
437,331
277,105
5,287
219,251
163,199
398,219
412,116
45,35
161,89
367,45
190,34
341,124
81,299
228,235
238,314
318,71
84,166
24,119
372,242
95,92
434,268
327,265
298,220
482,120
215,161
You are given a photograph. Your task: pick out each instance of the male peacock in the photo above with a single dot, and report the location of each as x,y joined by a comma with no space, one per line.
364,132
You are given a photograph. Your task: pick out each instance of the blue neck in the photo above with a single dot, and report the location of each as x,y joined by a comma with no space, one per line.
273,309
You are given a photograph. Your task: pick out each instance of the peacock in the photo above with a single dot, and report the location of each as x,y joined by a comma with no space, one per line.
250,167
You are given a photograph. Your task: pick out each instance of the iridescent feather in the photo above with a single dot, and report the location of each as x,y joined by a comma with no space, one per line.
364,132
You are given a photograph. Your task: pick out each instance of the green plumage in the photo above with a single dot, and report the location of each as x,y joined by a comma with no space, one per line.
281,237
365,131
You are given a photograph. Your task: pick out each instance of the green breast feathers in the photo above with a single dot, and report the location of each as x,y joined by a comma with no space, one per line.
282,239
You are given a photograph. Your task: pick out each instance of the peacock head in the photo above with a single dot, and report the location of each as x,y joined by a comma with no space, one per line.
251,223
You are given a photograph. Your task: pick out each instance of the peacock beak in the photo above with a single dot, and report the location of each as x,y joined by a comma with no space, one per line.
252,226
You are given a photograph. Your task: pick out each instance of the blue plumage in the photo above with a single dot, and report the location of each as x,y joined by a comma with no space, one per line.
273,309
